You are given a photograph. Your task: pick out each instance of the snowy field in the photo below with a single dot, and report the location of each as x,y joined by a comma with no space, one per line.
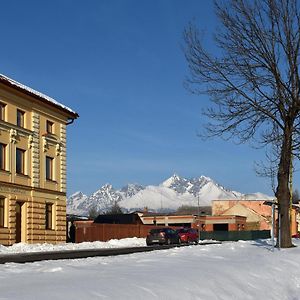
232,270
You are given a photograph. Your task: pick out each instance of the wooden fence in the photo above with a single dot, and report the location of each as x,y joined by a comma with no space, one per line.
89,232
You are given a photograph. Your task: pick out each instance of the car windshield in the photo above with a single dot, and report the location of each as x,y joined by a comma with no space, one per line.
183,230
152,231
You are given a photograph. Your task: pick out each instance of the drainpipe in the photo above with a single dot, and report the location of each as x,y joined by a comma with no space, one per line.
70,122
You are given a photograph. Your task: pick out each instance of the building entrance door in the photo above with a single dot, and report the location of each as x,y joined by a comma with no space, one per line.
19,222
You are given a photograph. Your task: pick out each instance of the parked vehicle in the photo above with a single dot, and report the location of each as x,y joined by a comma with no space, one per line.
188,235
164,235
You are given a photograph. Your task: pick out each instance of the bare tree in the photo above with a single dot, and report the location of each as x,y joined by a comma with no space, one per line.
253,82
94,212
114,210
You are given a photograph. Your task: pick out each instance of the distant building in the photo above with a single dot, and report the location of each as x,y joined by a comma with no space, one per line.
259,215
186,220
132,218
32,165
222,223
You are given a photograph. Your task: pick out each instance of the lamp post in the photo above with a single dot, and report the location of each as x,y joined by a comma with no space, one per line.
198,219
273,204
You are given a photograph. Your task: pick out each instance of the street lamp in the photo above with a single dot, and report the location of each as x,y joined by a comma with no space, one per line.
273,204
198,218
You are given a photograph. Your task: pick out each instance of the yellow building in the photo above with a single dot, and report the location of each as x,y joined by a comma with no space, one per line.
32,165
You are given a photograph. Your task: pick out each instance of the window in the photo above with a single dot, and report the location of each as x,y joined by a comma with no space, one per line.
48,216
20,118
2,111
49,126
20,163
2,203
49,168
2,156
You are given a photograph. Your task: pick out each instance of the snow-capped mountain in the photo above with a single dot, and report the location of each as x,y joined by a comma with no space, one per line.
203,185
101,200
77,203
131,189
168,196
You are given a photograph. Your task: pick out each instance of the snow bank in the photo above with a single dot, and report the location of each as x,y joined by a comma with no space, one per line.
22,247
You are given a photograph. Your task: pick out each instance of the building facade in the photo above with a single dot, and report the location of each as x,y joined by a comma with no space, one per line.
222,223
259,215
32,165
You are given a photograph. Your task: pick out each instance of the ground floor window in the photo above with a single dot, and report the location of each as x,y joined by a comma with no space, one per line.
48,216
2,207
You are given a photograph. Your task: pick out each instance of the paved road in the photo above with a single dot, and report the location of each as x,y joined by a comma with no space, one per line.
83,253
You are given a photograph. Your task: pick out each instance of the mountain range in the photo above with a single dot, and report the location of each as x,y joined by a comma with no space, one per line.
168,196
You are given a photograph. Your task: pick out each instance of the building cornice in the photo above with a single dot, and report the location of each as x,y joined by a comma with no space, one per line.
14,187
37,95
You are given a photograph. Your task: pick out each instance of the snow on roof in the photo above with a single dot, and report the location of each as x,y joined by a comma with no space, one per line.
40,95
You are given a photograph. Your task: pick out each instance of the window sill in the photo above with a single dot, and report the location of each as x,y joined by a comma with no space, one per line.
22,175
5,171
8,125
49,134
50,137
51,180
21,127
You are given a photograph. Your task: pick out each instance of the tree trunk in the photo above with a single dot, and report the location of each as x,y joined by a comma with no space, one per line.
283,192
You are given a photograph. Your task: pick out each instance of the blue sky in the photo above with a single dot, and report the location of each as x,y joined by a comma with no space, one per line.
120,65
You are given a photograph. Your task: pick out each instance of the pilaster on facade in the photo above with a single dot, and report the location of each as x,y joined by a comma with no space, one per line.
35,149
63,158
11,220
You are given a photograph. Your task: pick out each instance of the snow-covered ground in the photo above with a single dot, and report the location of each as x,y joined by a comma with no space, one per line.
232,270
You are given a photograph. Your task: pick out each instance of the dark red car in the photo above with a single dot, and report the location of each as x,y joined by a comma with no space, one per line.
162,236
188,235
